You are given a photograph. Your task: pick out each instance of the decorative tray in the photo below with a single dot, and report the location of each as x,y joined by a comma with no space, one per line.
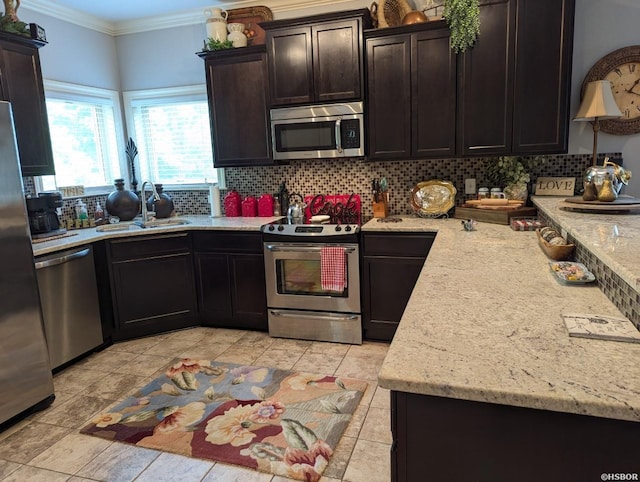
571,273
251,18
622,205
431,198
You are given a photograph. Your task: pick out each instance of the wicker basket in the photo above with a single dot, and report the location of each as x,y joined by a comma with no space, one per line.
389,13
557,253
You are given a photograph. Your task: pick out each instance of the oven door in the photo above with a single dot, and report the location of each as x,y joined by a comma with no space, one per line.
293,278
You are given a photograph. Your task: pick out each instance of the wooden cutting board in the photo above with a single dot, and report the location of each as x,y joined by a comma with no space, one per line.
505,207
494,216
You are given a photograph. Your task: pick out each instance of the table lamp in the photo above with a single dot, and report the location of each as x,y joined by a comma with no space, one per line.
597,103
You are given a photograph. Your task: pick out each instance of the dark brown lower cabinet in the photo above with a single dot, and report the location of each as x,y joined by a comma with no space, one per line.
229,269
391,264
436,438
152,284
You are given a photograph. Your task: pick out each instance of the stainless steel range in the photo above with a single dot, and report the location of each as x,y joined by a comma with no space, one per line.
313,281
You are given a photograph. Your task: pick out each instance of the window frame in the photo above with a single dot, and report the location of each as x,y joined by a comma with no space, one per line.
75,92
177,94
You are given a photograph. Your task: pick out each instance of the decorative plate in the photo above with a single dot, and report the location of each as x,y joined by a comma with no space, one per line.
251,18
571,273
429,198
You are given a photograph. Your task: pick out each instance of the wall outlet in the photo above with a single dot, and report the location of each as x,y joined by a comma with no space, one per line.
469,186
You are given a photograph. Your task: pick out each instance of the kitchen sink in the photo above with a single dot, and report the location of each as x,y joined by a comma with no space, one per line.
157,223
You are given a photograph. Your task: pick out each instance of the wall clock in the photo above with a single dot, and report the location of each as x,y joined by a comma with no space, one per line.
622,68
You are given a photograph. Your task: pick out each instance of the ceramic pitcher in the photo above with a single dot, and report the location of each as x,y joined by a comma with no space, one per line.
216,23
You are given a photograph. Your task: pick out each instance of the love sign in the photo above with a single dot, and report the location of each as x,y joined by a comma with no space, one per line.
555,186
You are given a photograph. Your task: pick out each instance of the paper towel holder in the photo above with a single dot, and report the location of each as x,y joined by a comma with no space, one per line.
214,201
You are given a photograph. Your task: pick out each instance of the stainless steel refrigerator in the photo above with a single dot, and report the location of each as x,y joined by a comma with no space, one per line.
25,373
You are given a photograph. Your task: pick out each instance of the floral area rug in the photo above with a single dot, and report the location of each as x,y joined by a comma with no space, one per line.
277,421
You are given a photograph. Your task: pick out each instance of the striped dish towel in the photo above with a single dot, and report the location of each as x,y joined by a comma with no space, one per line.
333,275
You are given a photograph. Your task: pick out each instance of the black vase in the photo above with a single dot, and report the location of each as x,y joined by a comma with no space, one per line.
163,207
122,202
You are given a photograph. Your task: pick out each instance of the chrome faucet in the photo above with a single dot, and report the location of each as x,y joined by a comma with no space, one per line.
156,197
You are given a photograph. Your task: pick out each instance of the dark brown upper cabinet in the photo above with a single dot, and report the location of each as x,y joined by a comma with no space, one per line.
411,79
238,92
508,94
485,79
21,84
316,59
543,76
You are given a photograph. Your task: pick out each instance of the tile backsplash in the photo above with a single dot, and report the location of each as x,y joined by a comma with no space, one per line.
621,294
346,176
349,176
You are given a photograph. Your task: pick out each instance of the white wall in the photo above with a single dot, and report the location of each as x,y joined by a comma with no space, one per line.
602,27
161,58
76,54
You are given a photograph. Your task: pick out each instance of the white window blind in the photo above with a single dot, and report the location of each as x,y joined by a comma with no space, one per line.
85,136
171,130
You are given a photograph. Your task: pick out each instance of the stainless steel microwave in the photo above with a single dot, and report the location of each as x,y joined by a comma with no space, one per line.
318,131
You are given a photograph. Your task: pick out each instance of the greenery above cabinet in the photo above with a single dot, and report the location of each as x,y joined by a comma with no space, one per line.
316,59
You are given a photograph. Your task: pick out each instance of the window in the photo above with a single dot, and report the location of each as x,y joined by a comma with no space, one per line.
86,135
171,130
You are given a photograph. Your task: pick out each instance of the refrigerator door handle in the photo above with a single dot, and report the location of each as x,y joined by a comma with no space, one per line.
62,259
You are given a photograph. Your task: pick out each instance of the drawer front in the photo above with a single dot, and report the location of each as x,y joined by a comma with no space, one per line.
228,242
397,244
149,246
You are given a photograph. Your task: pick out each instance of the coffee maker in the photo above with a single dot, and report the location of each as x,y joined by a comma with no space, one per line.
43,214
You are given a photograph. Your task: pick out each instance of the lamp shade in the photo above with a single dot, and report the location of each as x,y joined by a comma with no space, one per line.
598,102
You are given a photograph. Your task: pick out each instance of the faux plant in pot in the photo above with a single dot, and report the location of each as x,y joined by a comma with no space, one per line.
463,18
512,174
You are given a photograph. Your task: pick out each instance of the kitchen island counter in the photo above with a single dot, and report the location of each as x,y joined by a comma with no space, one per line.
613,238
79,237
484,324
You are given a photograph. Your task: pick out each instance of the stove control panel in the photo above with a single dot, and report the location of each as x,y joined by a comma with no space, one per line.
311,229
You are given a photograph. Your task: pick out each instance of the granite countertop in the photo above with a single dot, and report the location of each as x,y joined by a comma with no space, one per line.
484,323
89,235
613,238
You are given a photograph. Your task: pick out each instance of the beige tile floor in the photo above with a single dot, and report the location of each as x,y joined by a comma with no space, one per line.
48,447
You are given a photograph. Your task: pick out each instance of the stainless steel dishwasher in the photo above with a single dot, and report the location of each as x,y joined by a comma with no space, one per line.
69,299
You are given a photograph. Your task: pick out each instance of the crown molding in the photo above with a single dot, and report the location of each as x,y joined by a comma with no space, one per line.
158,22
52,9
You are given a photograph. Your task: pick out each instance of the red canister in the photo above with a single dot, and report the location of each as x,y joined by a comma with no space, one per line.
265,206
232,204
249,207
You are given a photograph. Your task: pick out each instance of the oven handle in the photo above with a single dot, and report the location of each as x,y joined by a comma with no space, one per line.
301,248
318,317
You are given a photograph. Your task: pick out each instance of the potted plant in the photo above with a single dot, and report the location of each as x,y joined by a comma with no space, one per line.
512,173
463,18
